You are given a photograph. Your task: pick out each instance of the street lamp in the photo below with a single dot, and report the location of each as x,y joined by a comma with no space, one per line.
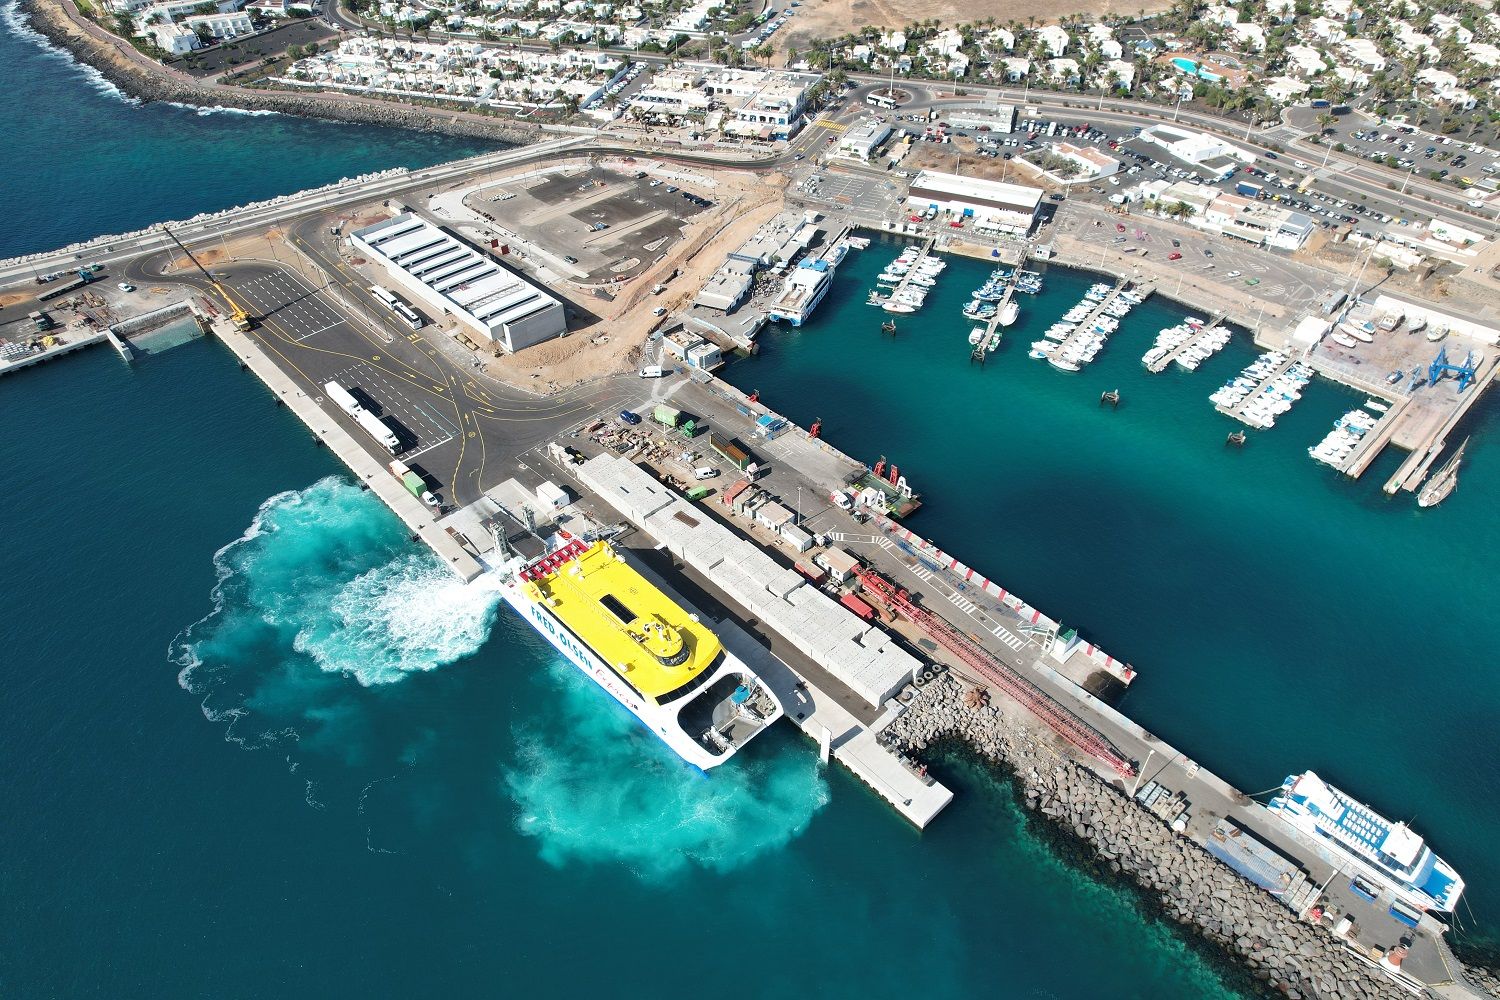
1142,772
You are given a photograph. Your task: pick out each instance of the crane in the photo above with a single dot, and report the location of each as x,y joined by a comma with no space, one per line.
237,314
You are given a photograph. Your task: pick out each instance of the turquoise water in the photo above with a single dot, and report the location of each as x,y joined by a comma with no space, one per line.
1281,617
257,744
80,161
266,747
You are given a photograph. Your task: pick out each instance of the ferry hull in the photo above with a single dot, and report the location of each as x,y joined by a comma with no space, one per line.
659,721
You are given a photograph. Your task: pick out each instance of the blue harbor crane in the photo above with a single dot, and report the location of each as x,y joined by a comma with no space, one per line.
1442,366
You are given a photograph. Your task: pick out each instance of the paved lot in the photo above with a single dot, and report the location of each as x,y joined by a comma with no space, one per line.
559,213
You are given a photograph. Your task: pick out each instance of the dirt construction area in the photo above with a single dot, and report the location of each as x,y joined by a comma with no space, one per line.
831,18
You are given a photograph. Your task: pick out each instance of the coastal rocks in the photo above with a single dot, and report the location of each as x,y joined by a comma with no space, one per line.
51,20
1192,887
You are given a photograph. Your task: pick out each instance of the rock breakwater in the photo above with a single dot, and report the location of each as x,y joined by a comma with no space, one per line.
1291,956
143,82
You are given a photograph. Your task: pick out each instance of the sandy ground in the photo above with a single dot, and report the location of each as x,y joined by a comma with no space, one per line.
612,343
831,18
940,157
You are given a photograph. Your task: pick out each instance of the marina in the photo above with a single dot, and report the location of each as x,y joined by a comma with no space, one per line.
1264,391
1189,344
1081,334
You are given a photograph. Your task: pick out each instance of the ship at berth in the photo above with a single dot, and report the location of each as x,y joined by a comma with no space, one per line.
805,287
1386,852
652,655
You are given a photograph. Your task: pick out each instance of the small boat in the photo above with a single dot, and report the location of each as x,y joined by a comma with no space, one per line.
1236,438
976,335
1063,364
1343,341
1443,482
1042,348
1395,376
1009,313
1436,333
1376,405
1416,324
899,307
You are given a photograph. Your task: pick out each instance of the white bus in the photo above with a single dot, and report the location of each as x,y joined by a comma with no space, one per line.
384,295
407,315
881,101
379,430
343,398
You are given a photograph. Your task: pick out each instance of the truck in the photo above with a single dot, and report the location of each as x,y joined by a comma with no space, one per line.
379,430
730,452
41,321
674,419
343,398
414,483
1248,189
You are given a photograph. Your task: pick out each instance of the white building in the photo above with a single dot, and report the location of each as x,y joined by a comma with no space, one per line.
1193,147
992,205
1092,163
230,25
1054,38
1305,60
447,276
173,39
1016,68
1364,52
1284,89
864,137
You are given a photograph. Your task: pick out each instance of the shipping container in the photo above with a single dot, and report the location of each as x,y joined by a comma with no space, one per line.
859,607
665,415
1248,189
730,452
816,574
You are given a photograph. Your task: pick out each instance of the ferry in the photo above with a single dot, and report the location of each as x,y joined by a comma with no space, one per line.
652,655
1387,853
803,290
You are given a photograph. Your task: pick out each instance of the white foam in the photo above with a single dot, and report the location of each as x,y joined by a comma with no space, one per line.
12,18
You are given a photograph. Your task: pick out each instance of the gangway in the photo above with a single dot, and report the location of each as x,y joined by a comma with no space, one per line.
1061,721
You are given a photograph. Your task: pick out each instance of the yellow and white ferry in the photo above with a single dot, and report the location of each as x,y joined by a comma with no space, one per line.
652,655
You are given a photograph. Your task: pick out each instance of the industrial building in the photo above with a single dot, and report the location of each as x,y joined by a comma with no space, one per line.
448,276
864,658
993,205
990,118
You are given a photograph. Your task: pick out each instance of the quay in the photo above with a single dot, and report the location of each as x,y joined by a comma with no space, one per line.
1160,364
1085,327
1237,411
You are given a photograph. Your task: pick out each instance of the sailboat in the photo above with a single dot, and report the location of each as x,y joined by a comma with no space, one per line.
1442,483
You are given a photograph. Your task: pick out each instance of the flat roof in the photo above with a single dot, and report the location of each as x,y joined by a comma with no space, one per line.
474,283
996,194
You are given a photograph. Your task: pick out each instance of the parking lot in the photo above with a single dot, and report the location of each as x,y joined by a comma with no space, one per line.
1267,274
607,224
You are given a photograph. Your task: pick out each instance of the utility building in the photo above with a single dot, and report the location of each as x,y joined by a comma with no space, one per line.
448,276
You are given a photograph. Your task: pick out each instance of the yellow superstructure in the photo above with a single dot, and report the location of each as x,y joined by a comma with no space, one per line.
630,624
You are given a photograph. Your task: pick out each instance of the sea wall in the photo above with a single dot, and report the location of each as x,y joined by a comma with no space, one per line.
1290,956
146,82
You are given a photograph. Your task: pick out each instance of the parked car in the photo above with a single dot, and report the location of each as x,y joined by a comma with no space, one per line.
629,418
1174,256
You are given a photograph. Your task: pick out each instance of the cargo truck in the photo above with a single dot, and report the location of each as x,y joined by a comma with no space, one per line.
343,398
379,430
675,420
1248,189
731,452
414,483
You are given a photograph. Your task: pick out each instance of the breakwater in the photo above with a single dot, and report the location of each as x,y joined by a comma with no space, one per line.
129,72
1290,956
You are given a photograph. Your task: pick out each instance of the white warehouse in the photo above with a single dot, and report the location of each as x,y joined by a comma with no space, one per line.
449,276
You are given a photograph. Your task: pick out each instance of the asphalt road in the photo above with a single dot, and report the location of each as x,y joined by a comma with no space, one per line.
458,427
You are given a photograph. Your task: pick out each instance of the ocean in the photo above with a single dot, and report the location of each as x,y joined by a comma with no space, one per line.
258,744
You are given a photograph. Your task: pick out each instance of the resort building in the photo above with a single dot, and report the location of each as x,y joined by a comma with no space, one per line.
450,277
863,138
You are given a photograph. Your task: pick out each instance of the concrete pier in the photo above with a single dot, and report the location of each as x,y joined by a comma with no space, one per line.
370,472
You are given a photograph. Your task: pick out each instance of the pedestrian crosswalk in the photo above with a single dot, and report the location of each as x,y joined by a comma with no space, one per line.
965,605
922,574
1005,636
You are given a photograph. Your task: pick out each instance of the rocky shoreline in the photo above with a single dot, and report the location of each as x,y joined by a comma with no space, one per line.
1289,956
49,19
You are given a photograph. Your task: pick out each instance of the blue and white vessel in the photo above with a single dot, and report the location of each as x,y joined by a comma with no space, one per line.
805,288
1387,853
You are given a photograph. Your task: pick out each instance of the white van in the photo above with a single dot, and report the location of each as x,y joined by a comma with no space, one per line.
705,472
653,371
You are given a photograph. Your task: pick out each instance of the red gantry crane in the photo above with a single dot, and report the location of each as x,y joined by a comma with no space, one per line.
1063,722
